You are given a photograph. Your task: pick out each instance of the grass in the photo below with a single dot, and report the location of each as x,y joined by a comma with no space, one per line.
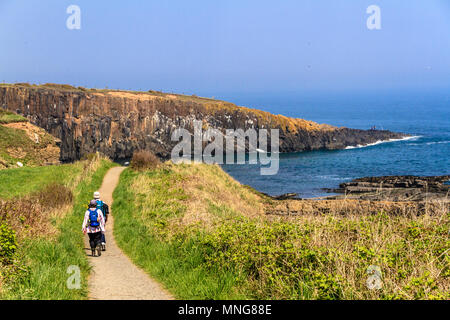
22,181
10,117
44,261
180,269
204,236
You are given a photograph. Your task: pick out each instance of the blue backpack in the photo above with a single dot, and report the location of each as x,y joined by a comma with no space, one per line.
93,218
100,206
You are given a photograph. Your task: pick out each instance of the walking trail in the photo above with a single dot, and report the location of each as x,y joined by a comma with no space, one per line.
113,275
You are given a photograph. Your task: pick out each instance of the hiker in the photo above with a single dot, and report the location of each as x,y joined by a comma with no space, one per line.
103,207
94,226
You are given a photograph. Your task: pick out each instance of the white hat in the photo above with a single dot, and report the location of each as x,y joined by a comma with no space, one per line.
97,195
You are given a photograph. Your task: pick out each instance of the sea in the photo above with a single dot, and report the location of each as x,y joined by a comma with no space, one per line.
424,115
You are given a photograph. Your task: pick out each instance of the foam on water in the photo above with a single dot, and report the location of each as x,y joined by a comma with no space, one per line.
413,138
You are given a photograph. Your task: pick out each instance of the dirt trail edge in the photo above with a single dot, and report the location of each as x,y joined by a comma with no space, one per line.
114,276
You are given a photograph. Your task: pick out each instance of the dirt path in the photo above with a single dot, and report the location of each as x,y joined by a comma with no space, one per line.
114,276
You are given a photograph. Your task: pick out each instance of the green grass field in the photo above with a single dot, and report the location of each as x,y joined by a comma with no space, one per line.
176,264
22,181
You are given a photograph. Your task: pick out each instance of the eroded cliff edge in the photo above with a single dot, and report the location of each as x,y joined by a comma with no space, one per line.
118,122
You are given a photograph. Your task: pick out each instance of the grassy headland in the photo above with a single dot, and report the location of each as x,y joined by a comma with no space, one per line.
205,236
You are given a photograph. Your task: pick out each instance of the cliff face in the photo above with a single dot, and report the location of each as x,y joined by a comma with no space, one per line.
118,122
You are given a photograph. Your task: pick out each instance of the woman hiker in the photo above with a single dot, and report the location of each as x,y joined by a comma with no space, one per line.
104,208
94,226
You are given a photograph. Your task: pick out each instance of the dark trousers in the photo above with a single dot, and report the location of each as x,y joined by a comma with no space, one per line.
95,239
103,235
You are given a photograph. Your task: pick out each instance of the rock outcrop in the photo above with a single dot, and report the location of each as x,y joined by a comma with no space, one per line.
117,123
397,188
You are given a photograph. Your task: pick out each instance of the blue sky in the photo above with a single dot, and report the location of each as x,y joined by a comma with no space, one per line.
222,48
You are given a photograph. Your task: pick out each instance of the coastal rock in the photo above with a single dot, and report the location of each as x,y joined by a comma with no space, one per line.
396,188
116,123
352,207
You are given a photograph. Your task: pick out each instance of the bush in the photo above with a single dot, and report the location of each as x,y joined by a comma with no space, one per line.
8,244
29,216
54,195
277,257
144,160
89,156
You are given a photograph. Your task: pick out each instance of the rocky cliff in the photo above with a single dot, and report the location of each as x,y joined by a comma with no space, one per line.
118,122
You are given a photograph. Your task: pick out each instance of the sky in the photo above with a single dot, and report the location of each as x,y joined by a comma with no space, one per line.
225,48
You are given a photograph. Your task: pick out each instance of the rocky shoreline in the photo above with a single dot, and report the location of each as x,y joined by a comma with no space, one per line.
395,188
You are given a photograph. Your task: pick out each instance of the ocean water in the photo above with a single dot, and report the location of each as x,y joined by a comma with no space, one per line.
424,115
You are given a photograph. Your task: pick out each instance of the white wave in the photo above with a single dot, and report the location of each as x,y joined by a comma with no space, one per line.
334,177
382,141
428,143
437,142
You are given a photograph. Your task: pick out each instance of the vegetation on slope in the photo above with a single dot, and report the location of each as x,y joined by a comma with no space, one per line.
20,141
204,236
20,182
10,117
41,225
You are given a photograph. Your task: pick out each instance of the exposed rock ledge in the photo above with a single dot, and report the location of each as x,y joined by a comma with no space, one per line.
396,188
117,123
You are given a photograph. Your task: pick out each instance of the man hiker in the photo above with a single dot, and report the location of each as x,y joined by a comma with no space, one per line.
94,226
103,207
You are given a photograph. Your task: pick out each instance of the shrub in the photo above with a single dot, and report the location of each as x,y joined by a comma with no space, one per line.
89,157
54,195
277,257
8,244
30,216
144,160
